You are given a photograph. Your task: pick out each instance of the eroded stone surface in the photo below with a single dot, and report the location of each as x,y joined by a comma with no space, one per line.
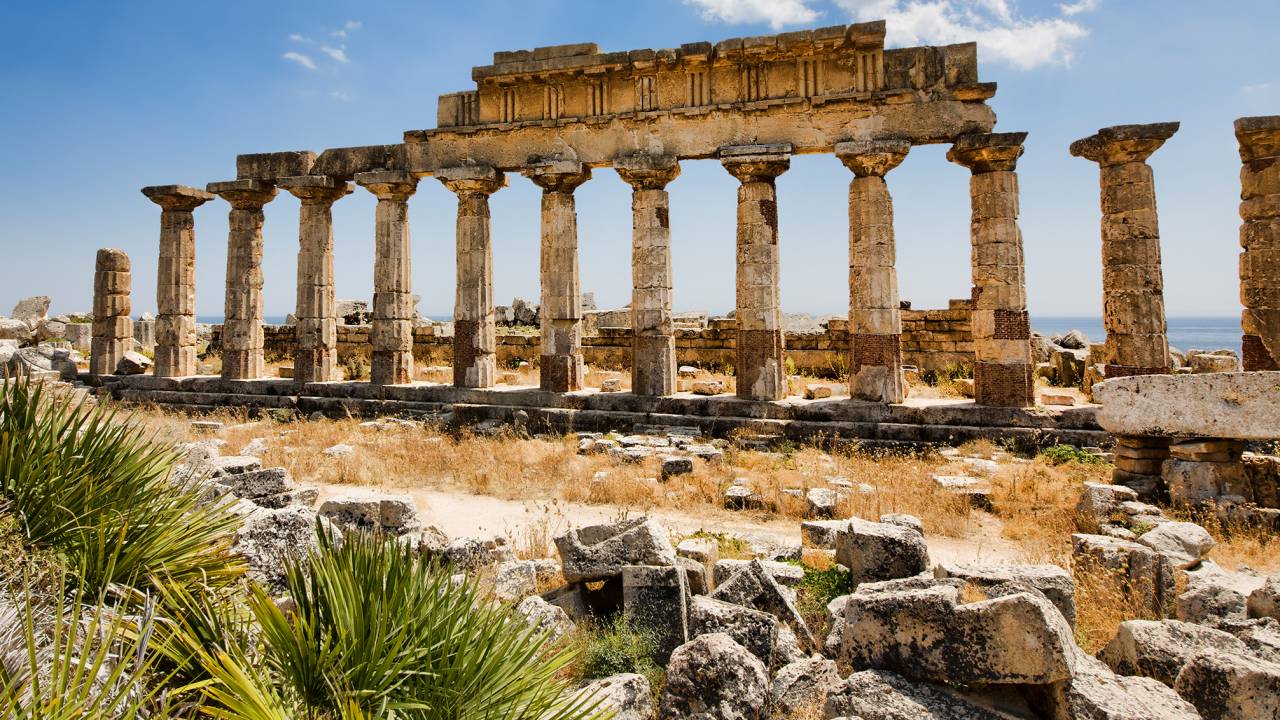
1242,406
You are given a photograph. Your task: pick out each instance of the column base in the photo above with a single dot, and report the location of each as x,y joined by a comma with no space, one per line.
561,373
653,365
242,364
876,372
472,366
314,365
1003,384
761,374
174,361
391,367
1255,355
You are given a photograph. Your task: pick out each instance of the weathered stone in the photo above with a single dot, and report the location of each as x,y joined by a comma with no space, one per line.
1265,601
1159,649
755,630
1230,686
394,514
786,574
32,360
267,537
803,685
1208,601
1051,581
628,696
133,363
1146,573
714,678
676,465
598,552
884,695
1184,543
822,502
654,600
1100,502
545,618
1241,406
881,551
821,533
1096,693
754,587
921,629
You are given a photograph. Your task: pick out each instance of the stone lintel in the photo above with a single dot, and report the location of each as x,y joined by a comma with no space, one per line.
558,175
1121,144
346,163
867,158
177,197
316,187
1259,137
647,171
270,166
751,151
1233,406
988,152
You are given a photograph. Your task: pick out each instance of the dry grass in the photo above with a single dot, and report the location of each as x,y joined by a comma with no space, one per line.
1104,599
1240,547
1037,502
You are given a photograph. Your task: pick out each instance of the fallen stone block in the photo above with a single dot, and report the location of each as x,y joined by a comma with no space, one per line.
754,587
786,574
1159,649
884,695
920,628
1184,543
754,630
1238,406
1229,686
546,618
227,465
1053,582
822,503
267,538
598,552
1096,693
707,387
714,678
816,392
674,465
906,521
628,696
258,483
880,551
1265,601
1145,572
394,514
741,497
1100,502
133,363
821,533
804,685
1260,635
654,600
1208,601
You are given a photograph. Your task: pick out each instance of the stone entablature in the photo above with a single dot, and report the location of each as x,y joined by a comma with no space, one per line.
578,82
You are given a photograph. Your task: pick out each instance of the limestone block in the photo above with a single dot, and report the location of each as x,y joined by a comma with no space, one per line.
1148,574
1051,581
714,678
1241,406
880,551
1265,601
654,600
1230,686
1097,693
599,552
755,630
886,695
628,696
753,586
1159,649
1184,544
804,684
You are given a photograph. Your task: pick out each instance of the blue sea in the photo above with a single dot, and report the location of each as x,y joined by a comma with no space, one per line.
1185,333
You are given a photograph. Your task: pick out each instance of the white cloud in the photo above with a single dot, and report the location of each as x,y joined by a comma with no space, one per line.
1256,88
299,38
340,96
339,54
1002,33
301,59
777,13
1075,8
353,25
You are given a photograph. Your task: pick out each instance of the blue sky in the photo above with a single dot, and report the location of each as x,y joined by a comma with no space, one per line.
100,99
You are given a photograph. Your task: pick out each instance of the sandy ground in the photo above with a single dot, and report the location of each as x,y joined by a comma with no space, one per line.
461,514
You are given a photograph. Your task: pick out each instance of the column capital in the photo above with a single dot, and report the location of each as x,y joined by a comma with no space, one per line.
388,184
756,163
1122,144
1259,137
872,158
316,189
244,194
472,179
558,175
644,171
988,152
177,197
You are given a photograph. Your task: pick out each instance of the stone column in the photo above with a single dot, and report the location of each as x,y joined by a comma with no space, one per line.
761,373
561,311
875,320
1002,368
112,328
1259,139
242,340
1132,284
653,349
176,278
393,309
475,341
317,322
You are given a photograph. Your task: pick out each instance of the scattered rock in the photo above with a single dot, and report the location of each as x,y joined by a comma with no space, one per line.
1072,340
1184,543
880,551
545,618
393,514
817,392
714,678
340,451
804,684
1159,649
1100,502
31,310
267,537
1051,581
822,502
654,600
707,387
1265,601
755,630
1211,363
1148,574
674,465
741,497
628,696
785,573
599,552
1096,693
1208,601
1229,686
884,695
133,363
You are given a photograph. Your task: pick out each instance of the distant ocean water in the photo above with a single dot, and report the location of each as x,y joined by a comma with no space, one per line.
1185,333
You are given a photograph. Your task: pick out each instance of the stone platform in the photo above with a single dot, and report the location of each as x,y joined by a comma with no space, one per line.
916,422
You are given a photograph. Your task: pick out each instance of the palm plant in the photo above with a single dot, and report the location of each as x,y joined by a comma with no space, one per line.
377,631
98,491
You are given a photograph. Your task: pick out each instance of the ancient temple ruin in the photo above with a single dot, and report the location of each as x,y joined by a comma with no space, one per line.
554,114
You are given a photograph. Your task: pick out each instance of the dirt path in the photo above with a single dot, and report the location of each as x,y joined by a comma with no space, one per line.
461,514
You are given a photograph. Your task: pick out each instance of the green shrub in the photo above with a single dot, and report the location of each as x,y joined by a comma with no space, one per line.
97,491
1063,454
819,587
378,631
614,646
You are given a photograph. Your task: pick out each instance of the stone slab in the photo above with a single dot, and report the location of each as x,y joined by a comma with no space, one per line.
1238,406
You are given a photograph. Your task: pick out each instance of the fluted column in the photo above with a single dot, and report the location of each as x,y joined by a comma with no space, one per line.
1132,283
1002,369
112,326
317,322
392,277
242,340
475,342
561,311
1259,139
761,373
653,349
175,354
875,316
